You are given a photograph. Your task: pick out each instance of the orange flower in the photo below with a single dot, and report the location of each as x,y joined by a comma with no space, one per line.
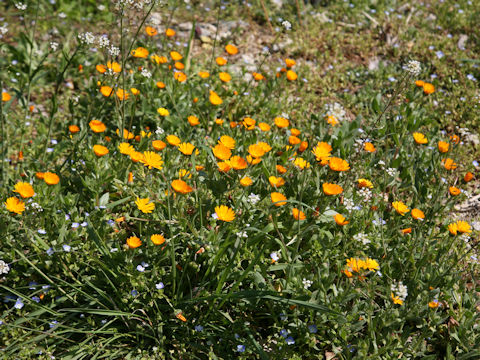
140,52
298,215
100,150
322,152
221,152
24,189
126,134
158,145
281,122
181,186
290,63
419,83
396,299
293,140
221,61
15,205
400,207
134,242
337,164
407,231
179,316
203,74
160,85
6,96
433,304
231,49
157,239
159,59
420,138
193,120
73,129
122,94
224,166
256,150
368,146
449,164
51,178
417,214
258,76
468,177
332,120
246,181
276,181
331,189
151,160
180,76
151,31
428,88
453,228
291,75
455,139
224,213
179,66
214,98
225,77
170,32
454,190
106,91
238,163
176,56
364,183
278,199
443,146
281,169
340,220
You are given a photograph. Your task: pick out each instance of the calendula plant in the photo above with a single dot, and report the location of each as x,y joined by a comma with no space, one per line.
166,197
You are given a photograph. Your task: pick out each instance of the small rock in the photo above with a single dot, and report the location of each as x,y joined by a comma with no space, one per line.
373,63
461,41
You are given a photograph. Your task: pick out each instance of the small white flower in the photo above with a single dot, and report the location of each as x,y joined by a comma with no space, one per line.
113,51
67,248
159,131
103,41
146,73
287,25
4,268
253,198
242,234
274,256
140,268
413,67
19,304
215,216
306,283
159,285
21,6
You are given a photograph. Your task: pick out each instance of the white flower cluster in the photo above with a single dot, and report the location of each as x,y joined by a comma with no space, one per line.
361,237
86,38
466,239
54,46
349,204
392,172
4,268
146,73
413,67
159,131
287,25
365,193
3,29
35,206
21,6
253,198
336,110
242,234
400,290
134,4
306,283
102,41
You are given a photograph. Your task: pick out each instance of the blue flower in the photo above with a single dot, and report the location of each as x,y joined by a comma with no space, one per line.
36,299
159,286
313,329
284,333
241,348
134,292
290,340
19,304
198,328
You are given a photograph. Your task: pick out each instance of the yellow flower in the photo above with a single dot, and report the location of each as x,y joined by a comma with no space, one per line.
463,227
371,264
24,189
134,242
453,228
157,239
100,150
224,213
278,199
396,299
144,205
193,120
276,181
181,186
214,98
246,181
152,160
139,52
227,141
15,205
224,166
340,220
264,146
364,183
355,264
186,148
264,126
173,140
420,138
163,112
322,152
301,163
400,207
125,148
